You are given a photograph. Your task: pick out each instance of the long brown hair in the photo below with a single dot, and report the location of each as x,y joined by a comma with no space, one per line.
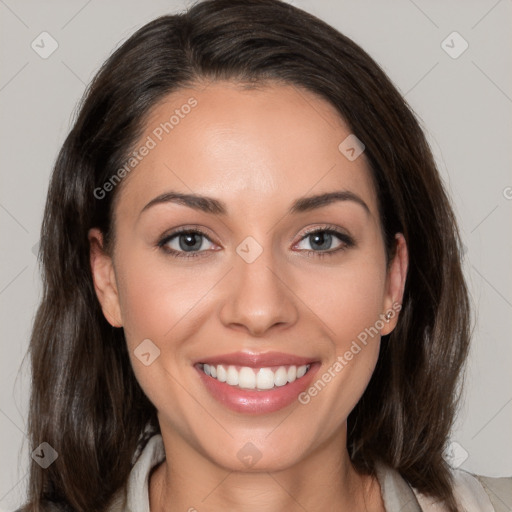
86,402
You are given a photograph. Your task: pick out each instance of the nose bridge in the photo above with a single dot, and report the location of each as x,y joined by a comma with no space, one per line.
257,298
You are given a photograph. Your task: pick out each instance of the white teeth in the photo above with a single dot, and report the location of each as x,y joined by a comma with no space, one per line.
246,378
232,378
221,373
265,379
249,378
292,373
281,376
301,371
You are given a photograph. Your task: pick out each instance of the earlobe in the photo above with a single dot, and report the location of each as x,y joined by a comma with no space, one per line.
395,284
104,279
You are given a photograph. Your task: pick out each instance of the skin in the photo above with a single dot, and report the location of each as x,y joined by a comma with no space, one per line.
257,150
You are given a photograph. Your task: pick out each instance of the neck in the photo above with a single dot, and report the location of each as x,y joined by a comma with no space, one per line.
325,480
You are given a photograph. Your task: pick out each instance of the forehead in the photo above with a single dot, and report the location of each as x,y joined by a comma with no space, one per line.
251,147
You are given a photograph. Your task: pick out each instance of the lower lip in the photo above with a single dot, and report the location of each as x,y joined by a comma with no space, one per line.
251,401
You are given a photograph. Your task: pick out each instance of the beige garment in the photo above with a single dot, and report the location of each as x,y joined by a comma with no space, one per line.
475,494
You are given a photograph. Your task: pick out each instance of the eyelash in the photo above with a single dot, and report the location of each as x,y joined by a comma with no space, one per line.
345,239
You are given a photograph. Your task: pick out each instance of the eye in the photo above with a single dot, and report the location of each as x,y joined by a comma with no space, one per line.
325,241
191,243
186,243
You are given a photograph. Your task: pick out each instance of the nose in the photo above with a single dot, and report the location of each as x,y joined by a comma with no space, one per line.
258,297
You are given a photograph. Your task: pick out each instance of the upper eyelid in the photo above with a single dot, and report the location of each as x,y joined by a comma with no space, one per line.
180,231
328,228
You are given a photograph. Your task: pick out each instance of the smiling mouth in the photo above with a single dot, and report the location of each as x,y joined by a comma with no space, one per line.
257,379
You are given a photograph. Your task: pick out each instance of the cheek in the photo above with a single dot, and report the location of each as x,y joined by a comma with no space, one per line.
156,298
348,299
350,305
160,303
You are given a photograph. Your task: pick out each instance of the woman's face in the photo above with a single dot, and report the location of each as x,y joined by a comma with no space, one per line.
280,277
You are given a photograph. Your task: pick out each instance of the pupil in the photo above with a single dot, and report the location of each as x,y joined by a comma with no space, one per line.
321,239
190,241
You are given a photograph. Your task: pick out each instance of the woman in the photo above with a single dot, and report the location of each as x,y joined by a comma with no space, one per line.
253,292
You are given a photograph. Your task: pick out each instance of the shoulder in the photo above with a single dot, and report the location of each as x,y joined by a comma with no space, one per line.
499,491
475,493
135,494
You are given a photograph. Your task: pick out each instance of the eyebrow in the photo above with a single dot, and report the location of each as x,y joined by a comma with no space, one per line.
216,207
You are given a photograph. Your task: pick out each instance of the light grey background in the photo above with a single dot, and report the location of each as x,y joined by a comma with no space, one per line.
465,106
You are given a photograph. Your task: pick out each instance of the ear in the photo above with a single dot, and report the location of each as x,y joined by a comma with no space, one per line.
395,284
104,278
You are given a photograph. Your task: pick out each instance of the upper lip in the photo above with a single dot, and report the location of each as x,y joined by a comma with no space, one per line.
256,360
